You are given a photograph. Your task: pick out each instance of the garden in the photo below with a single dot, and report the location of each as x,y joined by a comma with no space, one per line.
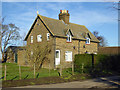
86,66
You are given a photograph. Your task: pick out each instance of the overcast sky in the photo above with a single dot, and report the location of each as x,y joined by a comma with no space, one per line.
96,16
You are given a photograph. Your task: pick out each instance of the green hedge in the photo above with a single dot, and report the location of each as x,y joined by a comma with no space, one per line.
83,60
108,62
99,63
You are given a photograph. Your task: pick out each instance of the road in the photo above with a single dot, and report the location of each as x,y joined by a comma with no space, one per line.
103,82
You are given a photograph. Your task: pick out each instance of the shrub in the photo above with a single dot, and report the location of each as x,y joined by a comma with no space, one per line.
108,62
83,63
98,64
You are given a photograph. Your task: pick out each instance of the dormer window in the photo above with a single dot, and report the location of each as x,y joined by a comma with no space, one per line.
88,41
69,38
48,36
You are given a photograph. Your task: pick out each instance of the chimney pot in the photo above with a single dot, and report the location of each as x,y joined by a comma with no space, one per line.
67,11
60,11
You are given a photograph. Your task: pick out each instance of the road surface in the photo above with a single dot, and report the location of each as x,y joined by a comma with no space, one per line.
103,82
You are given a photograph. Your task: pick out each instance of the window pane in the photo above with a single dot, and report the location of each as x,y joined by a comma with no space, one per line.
88,41
68,56
39,38
31,39
57,54
68,38
48,36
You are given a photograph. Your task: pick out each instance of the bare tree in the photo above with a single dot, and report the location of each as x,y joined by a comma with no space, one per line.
9,33
102,40
116,5
38,54
0,35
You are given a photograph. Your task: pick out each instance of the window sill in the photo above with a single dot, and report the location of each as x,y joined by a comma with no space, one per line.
87,44
68,61
69,42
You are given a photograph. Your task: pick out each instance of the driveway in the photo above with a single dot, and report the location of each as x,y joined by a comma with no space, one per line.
103,82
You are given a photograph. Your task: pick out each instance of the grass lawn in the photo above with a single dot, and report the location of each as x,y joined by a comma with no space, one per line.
27,76
44,77
28,73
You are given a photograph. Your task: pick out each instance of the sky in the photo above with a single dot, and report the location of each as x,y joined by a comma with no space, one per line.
96,16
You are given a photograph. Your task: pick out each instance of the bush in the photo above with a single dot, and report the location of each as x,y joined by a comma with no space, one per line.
98,64
108,63
83,63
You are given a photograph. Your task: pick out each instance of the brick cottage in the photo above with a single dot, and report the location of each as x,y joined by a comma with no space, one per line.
67,39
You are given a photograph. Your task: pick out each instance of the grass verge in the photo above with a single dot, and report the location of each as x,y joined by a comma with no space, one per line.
43,80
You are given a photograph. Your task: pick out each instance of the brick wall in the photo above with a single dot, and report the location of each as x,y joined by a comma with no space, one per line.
76,46
109,50
21,58
64,46
41,29
92,47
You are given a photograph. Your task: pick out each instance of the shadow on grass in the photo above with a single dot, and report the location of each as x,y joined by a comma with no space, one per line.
26,77
37,75
14,78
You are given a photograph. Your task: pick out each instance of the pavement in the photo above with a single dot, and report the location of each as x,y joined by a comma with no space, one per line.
102,82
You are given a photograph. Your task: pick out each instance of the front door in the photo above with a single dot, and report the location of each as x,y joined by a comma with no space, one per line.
57,59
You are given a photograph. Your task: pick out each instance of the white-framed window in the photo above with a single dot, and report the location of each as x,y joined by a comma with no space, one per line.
39,38
31,39
68,56
48,36
69,38
88,41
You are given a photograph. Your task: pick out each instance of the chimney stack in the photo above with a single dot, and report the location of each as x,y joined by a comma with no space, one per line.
64,15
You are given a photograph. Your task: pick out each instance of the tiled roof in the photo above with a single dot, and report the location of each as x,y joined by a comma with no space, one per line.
15,48
59,28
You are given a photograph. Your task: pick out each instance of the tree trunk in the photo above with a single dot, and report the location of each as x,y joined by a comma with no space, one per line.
2,57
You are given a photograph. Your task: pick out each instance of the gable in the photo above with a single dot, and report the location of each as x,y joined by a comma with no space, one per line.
69,32
31,28
34,23
88,35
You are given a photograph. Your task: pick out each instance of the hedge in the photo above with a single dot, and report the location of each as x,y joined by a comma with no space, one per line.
83,63
86,63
